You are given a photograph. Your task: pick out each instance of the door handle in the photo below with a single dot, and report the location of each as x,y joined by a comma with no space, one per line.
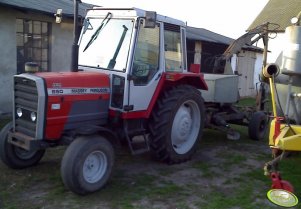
158,76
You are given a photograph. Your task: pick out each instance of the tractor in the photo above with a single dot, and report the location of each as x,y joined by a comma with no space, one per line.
132,80
130,84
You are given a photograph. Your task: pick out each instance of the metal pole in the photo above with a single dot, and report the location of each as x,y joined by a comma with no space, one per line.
266,44
261,98
74,58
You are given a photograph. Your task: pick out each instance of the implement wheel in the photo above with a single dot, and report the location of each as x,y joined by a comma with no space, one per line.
177,124
87,164
258,126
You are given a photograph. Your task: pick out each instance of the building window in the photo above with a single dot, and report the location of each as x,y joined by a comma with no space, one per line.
32,43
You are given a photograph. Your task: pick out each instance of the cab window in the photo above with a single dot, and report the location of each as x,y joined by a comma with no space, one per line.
146,58
173,50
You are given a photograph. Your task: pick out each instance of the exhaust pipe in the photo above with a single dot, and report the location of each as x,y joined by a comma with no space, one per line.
74,58
269,71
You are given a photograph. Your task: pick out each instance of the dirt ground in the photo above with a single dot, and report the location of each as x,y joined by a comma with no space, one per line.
221,174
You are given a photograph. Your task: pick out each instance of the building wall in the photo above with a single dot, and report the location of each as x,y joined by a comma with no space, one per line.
198,53
61,46
8,54
258,68
247,64
61,39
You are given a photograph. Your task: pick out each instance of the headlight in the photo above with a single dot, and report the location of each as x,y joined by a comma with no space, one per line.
19,112
33,116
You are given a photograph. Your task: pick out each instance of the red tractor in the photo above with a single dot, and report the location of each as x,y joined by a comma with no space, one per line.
132,84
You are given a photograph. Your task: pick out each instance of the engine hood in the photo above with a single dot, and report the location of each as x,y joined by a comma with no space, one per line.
75,83
73,100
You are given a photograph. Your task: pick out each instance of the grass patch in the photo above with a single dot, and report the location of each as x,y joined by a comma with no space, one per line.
248,101
220,178
212,138
231,159
206,169
290,170
129,190
247,194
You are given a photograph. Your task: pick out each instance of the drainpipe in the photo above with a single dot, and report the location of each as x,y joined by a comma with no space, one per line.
74,58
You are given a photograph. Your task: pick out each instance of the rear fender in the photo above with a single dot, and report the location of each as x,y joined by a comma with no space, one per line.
167,81
195,79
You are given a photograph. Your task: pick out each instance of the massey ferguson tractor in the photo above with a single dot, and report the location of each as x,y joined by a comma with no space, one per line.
130,84
132,80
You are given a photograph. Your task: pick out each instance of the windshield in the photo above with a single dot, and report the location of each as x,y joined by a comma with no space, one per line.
105,43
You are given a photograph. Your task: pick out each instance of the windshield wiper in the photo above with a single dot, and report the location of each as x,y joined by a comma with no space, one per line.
113,60
96,33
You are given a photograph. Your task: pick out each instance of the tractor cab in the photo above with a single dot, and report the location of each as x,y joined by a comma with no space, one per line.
136,48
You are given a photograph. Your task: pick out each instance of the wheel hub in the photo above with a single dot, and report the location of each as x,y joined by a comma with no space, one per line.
186,126
94,166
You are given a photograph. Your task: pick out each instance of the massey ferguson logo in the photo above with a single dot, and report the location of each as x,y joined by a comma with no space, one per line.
76,91
56,85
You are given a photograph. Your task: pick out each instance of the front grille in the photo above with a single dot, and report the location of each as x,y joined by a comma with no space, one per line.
26,99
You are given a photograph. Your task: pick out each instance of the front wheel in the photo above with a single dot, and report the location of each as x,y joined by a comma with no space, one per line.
16,157
177,124
87,164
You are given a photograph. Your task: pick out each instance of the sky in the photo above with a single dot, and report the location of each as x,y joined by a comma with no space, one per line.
230,18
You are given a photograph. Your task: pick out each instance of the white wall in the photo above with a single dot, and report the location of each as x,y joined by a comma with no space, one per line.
257,67
234,62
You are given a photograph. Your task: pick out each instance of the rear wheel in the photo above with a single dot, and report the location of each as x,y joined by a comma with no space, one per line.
258,126
87,164
177,124
16,157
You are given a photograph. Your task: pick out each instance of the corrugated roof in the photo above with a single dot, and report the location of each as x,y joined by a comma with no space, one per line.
48,7
279,12
202,34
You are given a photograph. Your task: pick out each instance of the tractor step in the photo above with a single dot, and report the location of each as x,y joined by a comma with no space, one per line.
138,144
136,137
136,132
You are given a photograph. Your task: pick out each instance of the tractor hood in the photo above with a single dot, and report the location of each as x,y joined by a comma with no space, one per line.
75,83
74,99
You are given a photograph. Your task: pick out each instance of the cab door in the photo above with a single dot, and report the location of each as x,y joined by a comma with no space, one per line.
147,67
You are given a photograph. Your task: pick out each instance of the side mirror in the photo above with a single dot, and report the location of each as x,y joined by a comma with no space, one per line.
150,19
58,15
87,26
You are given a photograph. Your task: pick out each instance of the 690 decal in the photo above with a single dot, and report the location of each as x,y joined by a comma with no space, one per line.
76,91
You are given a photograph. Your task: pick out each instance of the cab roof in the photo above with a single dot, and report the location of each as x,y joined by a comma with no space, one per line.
130,12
